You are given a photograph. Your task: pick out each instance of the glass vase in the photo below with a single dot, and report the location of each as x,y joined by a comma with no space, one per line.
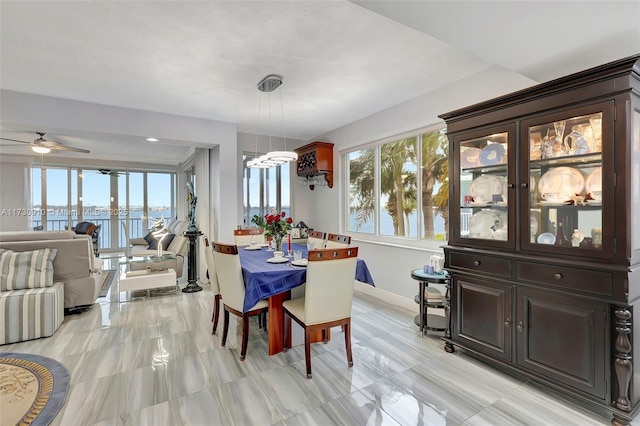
277,239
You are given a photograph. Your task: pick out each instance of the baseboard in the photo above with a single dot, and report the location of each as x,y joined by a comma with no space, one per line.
386,296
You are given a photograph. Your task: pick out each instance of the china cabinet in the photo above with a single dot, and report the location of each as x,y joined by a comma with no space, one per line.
544,234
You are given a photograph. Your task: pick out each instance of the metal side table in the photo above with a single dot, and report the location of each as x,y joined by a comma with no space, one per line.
429,298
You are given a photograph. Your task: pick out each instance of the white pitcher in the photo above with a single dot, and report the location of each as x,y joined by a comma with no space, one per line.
437,261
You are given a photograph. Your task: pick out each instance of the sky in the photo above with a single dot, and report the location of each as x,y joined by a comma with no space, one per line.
96,188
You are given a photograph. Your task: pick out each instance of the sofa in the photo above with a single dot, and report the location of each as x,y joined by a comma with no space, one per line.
178,246
73,281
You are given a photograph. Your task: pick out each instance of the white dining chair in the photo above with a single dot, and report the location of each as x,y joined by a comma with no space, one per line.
338,241
245,236
327,299
213,281
229,272
316,240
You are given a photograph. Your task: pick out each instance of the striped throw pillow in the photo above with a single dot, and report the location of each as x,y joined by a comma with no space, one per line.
21,270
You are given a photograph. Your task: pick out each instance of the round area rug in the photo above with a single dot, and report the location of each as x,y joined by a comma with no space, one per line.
33,388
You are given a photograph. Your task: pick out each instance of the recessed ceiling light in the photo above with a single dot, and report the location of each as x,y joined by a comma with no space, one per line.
152,140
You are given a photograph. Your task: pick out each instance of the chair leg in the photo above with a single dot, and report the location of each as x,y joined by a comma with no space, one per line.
245,336
260,322
216,312
325,333
264,321
286,329
225,327
347,341
307,351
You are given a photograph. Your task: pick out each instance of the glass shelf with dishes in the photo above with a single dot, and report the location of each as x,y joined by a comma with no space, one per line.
565,161
484,187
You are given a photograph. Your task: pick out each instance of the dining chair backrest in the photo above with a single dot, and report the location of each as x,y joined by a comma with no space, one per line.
211,266
245,236
338,241
229,273
318,239
329,288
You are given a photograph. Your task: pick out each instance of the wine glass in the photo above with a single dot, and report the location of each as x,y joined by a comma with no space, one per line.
559,128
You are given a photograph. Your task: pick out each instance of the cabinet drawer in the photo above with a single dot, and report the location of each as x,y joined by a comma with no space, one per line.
480,263
597,282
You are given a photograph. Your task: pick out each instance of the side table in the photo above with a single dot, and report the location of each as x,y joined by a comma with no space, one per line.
429,299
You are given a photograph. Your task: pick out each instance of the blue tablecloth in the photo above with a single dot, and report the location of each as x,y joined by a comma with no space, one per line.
263,279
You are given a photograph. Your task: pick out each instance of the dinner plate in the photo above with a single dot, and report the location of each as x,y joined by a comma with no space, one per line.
470,157
593,202
301,262
277,260
481,222
546,238
252,247
492,154
561,180
484,187
594,181
264,245
534,224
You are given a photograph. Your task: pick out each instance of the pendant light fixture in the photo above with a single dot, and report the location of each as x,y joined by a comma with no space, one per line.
272,158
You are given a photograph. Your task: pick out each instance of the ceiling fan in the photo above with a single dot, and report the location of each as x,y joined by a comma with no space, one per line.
43,146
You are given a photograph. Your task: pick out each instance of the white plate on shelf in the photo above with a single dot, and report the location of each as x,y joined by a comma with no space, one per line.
277,260
534,224
550,204
474,204
470,157
594,180
481,222
484,187
252,247
593,202
301,262
561,180
546,238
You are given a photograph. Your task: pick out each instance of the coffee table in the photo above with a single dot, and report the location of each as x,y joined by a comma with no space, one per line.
146,280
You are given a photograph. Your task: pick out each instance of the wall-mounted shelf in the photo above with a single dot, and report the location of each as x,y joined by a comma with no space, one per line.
316,159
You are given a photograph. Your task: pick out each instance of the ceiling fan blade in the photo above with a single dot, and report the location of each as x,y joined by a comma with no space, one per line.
70,148
14,140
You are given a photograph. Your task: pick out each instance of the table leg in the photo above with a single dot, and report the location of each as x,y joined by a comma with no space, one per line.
421,296
276,316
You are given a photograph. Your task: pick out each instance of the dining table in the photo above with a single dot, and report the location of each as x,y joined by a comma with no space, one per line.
274,281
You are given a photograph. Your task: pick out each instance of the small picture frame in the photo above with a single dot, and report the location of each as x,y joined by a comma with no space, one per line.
295,232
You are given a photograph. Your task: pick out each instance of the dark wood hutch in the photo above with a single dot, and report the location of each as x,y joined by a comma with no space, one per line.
316,159
544,235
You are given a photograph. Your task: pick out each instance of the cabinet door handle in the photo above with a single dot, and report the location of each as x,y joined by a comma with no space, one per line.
510,185
558,276
520,326
524,185
476,262
507,323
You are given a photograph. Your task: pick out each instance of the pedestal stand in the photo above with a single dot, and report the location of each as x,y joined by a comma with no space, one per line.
192,286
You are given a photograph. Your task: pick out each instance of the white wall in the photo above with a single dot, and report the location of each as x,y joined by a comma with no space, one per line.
15,187
391,264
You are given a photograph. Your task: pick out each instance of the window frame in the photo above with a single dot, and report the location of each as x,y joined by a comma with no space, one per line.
376,237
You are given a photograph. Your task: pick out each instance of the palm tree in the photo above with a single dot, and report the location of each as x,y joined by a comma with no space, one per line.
393,156
434,156
362,180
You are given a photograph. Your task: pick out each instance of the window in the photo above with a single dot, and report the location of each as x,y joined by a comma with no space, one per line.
265,189
111,199
390,196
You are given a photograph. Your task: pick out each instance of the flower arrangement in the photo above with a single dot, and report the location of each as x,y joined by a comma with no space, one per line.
275,225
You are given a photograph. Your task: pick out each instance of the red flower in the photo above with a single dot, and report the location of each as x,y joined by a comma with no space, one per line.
283,214
289,220
277,218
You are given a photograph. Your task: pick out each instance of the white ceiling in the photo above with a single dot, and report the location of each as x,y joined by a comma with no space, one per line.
341,61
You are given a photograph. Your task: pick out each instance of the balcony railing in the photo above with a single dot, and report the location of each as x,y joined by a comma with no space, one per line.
138,228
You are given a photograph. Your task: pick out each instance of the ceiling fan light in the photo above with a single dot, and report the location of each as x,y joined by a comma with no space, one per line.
41,149
282,156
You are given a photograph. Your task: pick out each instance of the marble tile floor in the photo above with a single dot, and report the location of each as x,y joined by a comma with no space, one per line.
153,361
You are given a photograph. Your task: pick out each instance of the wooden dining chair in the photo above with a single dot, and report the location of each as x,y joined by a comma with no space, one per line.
338,241
318,239
229,271
213,281
244,237
327,299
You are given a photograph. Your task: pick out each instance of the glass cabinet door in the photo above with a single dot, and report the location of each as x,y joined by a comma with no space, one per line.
484,197
568,190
